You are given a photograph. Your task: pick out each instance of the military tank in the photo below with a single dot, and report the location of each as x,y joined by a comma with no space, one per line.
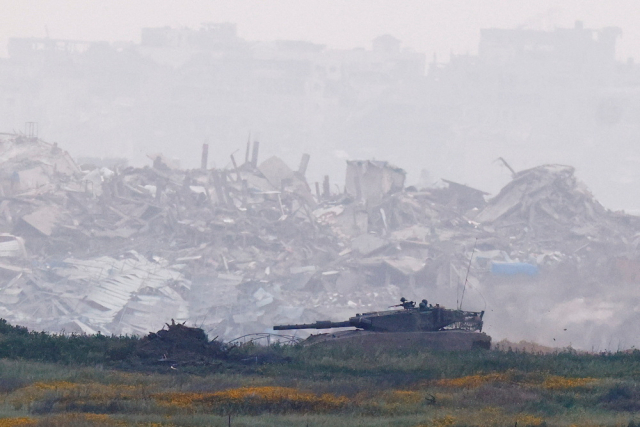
409,318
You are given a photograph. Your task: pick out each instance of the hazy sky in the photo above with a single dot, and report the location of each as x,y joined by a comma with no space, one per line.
439,26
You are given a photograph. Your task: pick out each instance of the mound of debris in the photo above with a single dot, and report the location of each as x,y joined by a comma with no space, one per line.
180,345
546,217
551,205
237,250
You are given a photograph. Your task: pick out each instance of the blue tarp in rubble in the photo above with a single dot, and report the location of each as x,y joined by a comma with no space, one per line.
513,268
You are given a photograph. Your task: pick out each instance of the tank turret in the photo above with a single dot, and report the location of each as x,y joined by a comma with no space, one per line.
409,318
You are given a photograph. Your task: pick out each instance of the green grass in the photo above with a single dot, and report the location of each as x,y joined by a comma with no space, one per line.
19,343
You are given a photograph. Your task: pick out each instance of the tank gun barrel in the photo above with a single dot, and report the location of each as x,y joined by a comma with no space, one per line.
321,324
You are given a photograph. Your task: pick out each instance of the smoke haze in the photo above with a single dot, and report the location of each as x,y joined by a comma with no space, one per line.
477,94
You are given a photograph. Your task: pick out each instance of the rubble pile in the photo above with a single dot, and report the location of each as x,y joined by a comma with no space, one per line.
241,249
548,216
179,345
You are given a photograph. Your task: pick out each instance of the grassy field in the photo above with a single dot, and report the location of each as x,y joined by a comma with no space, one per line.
297,386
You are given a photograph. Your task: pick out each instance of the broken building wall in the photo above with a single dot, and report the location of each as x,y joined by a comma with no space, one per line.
370,180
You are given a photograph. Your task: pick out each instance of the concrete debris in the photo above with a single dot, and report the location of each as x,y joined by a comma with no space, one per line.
12,246
42,220
238,250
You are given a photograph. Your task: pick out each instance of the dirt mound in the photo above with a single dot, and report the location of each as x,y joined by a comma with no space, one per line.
442,340
180,345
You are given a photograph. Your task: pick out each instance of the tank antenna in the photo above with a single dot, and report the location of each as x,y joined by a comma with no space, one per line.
467,276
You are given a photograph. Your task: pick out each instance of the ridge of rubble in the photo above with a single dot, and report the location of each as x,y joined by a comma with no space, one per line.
238,250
